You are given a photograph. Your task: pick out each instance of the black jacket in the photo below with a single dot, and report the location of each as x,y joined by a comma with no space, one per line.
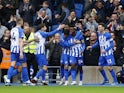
91,57
52,46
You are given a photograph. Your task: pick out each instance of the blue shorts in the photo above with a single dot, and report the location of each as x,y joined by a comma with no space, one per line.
76,60
65,59
15,57
41,59
106,60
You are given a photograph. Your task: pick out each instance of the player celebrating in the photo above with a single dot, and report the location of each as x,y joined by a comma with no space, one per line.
76,54
106,56
17,54
40,51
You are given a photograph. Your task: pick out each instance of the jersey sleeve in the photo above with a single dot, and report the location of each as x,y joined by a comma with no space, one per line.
83,45
47,34
78,35
109,37
95,45
21,33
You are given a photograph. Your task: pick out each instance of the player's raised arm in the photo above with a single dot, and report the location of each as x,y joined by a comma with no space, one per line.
47,34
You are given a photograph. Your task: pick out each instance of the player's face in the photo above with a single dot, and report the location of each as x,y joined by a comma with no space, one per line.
44,28
21,22
72,30
100,28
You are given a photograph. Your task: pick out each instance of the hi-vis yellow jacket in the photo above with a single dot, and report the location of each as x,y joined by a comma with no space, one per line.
31,47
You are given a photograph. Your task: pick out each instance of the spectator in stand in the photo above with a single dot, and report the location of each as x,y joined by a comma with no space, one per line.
2,12
4,43
61,17
94,53
92,25
111,7
10,9
45,7
26,10
38,4
11,23
100,12
121,14
2,30
114,21
116,46
42,18
72,19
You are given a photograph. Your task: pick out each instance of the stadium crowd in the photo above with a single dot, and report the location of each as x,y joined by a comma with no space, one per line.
79,14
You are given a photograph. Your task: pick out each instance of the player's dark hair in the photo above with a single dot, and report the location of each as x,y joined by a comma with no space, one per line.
66,31
102,24
41,26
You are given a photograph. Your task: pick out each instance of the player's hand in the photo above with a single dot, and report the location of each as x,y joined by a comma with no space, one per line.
36,39
39,14
103,51
61,26
30,7
78,25
81,53
21,55
69,18
89,47
25,43
77,42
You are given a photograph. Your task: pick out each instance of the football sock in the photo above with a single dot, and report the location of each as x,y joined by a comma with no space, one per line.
81,75
113,75
104,75
43,74
73,73
25,74
69,72
66,74
15,72
10,72
62,72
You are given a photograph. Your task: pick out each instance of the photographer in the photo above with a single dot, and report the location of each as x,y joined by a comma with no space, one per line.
120,75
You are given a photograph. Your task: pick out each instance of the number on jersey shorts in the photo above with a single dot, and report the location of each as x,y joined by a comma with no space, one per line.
41,60
106,60
76,60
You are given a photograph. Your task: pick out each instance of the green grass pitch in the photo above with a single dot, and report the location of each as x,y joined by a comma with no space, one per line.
60,89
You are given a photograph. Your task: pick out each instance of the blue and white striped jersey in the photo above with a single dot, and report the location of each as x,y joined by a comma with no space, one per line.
106,43
78,49
40,46
65,44
16,33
